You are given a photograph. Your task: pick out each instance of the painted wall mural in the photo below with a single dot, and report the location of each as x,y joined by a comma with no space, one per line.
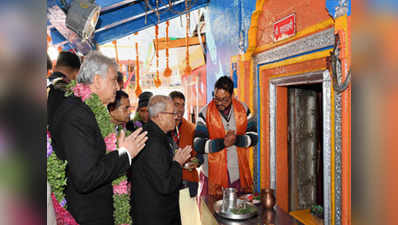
226,35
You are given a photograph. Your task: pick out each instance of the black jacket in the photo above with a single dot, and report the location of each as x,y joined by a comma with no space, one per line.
156,180
90,171
56,95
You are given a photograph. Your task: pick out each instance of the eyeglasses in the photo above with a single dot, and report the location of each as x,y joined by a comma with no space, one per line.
222,100
171,113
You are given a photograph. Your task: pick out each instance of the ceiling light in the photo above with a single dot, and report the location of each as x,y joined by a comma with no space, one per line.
82,17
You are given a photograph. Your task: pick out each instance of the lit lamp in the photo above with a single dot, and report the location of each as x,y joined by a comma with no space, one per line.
82,17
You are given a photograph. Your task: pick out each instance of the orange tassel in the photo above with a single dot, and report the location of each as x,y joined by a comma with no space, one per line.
157,79
188,69
167,71
138,90
116,51
157,82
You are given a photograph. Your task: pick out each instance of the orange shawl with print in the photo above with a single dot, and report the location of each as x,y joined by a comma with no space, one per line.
218,169
187,131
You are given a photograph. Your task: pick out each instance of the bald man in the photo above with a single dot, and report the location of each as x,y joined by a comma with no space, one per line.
157,172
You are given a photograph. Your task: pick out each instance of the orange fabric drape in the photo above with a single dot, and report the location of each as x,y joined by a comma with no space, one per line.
187,130
218,169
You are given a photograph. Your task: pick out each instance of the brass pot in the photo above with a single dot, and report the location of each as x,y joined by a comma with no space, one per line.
268,199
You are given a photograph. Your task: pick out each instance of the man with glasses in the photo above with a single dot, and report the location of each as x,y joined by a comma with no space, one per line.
224,131
157,173
183,136
142,116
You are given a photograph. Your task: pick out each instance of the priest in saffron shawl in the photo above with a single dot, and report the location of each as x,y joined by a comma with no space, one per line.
224,132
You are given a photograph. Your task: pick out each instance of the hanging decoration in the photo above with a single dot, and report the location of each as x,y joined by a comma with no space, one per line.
138,90
157,80
167,71
188,6
130,70
114,42
48,40
188,69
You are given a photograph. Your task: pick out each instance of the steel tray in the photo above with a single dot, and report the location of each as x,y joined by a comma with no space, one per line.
230,215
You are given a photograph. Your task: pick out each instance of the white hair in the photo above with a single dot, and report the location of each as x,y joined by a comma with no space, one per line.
158,104
94,63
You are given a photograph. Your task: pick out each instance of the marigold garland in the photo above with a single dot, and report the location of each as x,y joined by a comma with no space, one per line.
56,167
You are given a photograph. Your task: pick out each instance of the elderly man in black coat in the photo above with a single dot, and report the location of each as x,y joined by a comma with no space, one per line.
78,140
157,171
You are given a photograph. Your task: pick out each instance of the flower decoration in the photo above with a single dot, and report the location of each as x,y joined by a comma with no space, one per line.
110,142
81,90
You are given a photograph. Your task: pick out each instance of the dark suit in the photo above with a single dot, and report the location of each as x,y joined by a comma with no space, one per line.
90,172
56,92
156,180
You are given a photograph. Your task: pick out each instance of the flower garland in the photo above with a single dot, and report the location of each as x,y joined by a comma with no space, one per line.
57,179
121,197
56,173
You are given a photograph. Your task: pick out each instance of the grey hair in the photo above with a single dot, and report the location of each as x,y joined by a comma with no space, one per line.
94,63
158,104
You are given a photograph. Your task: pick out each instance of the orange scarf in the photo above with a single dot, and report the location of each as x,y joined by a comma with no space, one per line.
217,162
186,132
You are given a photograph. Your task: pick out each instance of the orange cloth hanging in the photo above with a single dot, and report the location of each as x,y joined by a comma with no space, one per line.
217,161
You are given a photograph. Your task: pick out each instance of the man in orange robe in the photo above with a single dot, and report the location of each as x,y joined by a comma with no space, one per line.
224,131
183,136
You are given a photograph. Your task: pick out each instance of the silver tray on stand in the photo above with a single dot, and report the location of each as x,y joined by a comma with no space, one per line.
233,216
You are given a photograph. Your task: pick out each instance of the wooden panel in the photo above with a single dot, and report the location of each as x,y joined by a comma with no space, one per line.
299,68
180,42
264,131
282,168
305,217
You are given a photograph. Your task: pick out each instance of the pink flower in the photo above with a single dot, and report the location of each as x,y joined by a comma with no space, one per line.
110,142
63,217
120,188
82,91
